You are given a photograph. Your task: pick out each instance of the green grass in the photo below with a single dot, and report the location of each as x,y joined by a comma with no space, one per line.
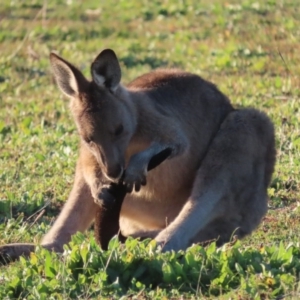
251,50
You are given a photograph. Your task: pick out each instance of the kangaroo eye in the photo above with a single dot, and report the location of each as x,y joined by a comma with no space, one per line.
89,141
119,130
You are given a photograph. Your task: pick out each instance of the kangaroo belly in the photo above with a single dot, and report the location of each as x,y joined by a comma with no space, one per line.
160,201
146,216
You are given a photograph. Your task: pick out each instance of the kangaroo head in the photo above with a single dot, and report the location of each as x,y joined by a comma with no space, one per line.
103,115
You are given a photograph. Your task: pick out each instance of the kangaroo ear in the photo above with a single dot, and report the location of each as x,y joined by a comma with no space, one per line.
68,78
106,71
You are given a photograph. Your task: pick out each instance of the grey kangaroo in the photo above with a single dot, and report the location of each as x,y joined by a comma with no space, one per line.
213,184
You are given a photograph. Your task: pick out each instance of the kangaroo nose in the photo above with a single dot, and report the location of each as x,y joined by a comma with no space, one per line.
114,172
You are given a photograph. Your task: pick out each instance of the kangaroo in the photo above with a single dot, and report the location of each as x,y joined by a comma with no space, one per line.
213,184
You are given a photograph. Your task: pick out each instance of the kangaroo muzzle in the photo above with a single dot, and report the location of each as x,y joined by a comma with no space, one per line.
114,173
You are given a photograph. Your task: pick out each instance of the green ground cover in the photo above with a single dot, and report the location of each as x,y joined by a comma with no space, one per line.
250,49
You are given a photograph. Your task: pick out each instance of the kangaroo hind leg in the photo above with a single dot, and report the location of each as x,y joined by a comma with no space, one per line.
231,183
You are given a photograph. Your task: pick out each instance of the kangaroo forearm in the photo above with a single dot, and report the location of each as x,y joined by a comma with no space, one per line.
143,158
91,172
77,215
169,148
93,181
164,133
141,162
